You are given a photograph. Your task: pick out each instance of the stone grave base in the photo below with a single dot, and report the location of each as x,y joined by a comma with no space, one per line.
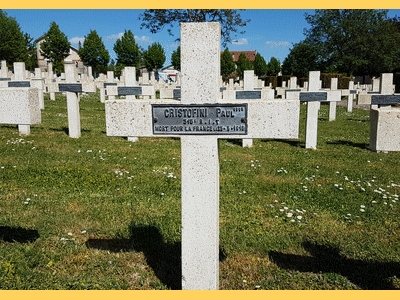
385,129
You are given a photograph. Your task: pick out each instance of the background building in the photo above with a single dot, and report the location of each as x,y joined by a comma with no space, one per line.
73,56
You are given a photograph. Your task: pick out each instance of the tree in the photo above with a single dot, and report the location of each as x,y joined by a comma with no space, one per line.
260,66
356,42
301,60
243,64
93,53
13,42
156,19
55,47
227,64
128,52
154,57
274,67
176,59
31,61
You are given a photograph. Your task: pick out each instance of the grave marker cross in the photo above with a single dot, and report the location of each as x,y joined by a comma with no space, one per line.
199,133
313,97
72,89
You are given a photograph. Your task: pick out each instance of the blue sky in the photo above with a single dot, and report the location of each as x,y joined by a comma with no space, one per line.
271,32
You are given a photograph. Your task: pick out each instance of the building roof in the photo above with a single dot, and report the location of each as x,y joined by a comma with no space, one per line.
251,55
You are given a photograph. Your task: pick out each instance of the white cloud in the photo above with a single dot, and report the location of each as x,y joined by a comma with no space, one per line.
138,39
242,41
278,44
114,37
76,40
143,39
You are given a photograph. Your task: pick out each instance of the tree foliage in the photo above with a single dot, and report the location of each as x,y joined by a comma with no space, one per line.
260,66
128,52
15,46
243,64
274,67
227,64
31,59
55,46
301,60
93,52
156,19
154,57
176,58
356,42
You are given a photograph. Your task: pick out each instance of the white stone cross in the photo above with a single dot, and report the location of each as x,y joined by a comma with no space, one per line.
3,74
350,97
19,103
332,104
4,69
200,119
249,93
38,82
74,119
73,89
313,97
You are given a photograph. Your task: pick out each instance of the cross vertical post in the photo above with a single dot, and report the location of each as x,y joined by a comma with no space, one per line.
350,98
332,104
130,80
312,111
200,198
74,120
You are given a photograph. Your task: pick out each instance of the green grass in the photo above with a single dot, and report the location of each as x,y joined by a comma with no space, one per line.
101,212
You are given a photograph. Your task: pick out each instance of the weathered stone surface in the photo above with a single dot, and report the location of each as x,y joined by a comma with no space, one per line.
385,129
19,106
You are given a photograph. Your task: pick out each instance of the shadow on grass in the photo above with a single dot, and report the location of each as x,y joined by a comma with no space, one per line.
351,144
66,130
9,126
293,143
237,142
164,258
366,274
358,120
18,234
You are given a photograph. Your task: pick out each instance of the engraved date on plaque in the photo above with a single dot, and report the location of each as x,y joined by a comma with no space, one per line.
207,119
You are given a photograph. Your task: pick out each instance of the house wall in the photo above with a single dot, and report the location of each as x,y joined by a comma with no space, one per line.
73,56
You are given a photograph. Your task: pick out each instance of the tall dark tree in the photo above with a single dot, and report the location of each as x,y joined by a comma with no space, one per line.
260,66
156,19
274,67
357,42
176,58
302,59
55,47
154,57
128,52
93,53
31,61
14,44
227,64
243,64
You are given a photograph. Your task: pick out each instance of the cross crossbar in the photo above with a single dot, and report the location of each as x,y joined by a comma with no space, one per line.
19,84
248,94
385,99
70,87
313,96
